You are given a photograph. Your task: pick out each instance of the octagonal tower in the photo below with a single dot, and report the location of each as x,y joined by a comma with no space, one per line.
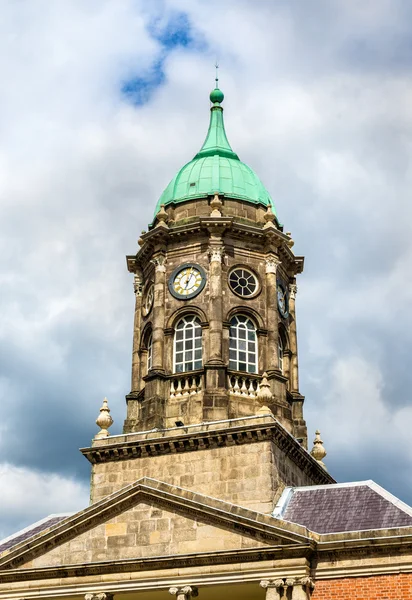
215,286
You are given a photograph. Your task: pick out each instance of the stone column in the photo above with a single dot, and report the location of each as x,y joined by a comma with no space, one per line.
216,251
184,593
99,596
293,339
136,371
289,588
159,312
272,263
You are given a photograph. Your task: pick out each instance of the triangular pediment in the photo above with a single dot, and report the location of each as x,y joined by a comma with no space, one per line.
150,519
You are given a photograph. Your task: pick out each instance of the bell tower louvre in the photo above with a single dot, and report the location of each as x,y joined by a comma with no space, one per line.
215,284
210,489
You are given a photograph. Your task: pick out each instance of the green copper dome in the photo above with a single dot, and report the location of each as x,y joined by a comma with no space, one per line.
216,168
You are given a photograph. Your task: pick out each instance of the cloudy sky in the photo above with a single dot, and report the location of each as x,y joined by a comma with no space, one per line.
101,103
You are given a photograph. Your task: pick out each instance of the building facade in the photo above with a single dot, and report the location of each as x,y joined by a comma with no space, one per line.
210,490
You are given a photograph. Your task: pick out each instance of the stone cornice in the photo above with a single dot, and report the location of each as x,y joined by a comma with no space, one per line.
207,435
239,229
256,563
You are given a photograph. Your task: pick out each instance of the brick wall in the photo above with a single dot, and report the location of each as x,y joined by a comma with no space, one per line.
379,587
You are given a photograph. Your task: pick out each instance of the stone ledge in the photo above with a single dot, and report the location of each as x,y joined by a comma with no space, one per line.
215,434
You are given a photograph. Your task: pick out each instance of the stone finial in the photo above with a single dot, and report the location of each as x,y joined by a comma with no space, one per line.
162,217
184,593
104,421
264,395
318,451
216,204
140,241
269,217
290,242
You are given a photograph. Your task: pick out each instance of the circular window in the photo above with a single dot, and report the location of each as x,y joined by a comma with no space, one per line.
243,282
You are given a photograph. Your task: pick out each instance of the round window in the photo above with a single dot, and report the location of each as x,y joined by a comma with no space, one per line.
243,282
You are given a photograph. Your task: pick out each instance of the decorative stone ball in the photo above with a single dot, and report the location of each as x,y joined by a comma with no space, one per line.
216,96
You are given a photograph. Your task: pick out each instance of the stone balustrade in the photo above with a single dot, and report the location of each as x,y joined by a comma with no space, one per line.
183,385
244,385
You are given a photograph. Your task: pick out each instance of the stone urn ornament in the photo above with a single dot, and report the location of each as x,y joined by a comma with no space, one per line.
104,421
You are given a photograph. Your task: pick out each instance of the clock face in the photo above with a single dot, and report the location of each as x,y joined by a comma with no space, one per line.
283,303
187,281
148,300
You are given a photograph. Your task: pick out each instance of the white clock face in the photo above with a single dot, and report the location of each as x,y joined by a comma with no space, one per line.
187,281
148,300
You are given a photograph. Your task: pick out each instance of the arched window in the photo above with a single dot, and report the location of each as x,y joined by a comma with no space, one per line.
187,351
149,352
242,345
280,353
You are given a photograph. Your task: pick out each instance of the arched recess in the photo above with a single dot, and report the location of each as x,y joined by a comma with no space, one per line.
181,312
283,354
249,312
145,350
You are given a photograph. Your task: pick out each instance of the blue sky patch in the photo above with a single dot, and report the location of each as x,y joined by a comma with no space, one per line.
171,34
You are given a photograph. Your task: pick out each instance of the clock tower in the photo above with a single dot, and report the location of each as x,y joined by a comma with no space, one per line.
215,284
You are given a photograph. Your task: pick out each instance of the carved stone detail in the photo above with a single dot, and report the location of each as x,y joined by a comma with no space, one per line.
159,263
138,283
216,253
300,588
272,263
99,596
293,290
184,593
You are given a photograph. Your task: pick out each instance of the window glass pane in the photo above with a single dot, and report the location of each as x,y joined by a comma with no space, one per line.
251,346
232,354
242,366
179,356
242,355
179,346
251,358
179,368
198,364
188,366
242,334
251,369
179,335
189,344
241,318
198,343
232,343
198,354
242,344
233,365
188,355
251,335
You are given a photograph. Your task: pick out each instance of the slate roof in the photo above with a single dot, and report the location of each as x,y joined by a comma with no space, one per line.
343,507
31,530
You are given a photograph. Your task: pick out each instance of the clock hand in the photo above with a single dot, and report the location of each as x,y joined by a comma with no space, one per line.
188,278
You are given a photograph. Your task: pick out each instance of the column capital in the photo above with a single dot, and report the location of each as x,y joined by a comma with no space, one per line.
138,283
272,262
293,290
184,593
99,596
216,253
159,262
